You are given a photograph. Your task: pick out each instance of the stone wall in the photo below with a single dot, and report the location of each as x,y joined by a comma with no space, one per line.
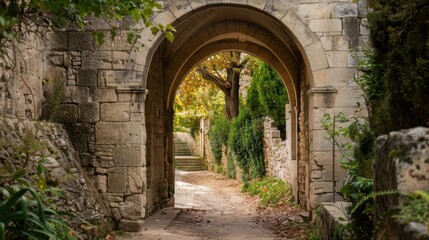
277,162
402,164
156,160
102,106
22,72
50,141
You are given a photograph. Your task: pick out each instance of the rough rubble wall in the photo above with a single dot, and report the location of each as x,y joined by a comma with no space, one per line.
277,162
64,170
156,160
402,164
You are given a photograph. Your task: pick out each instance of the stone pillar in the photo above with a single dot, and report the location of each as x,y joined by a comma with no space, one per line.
120,139
321,101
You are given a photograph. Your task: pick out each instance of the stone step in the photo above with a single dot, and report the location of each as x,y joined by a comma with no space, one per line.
194,168
182,149
190,163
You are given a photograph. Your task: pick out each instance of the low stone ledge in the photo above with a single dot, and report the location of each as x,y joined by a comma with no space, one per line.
328,217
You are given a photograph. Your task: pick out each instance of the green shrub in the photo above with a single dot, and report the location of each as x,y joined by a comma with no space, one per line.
218,168
272,192
399,64
230,167
28,209
267,95
245,141
416,208
218,135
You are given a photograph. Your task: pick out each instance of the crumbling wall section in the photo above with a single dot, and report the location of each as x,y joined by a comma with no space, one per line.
401,164
63,168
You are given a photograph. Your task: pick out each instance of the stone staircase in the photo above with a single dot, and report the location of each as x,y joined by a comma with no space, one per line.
184,160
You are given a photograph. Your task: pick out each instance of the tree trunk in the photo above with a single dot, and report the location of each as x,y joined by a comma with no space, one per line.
229,86
232,96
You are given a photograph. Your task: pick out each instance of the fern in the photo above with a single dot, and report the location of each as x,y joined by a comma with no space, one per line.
372,195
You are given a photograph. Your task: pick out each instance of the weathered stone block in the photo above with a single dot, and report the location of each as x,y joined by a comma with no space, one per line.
89,112
316,55
128,156
321,187
121,78
102,95
180,7
56,40
115,112
344,10
351,28
117,183
67,113
135,180
402,163
119,133
338,59
80,41
329,216
314,11
119,43
277,8
87,77
101,183
324,158
114,197
322,99
122,60
56,74
97,59
130,226
116,214
132,208
74,94
326,25
275,133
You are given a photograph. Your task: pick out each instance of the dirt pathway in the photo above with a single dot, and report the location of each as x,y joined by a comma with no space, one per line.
210,206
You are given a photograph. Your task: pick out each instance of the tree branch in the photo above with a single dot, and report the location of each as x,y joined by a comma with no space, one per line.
219,82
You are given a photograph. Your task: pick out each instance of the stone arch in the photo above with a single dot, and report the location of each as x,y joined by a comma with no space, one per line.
275,32
118,102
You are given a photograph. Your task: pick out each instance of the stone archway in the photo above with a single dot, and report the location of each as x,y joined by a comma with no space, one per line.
118,102
276,34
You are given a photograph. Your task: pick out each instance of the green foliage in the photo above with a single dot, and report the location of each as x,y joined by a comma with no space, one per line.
28,204
218,169
17,17
416,208
218,135
183,123
53,97
267,95
245,141
399,65
230,166
272,192
357,160
28,211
